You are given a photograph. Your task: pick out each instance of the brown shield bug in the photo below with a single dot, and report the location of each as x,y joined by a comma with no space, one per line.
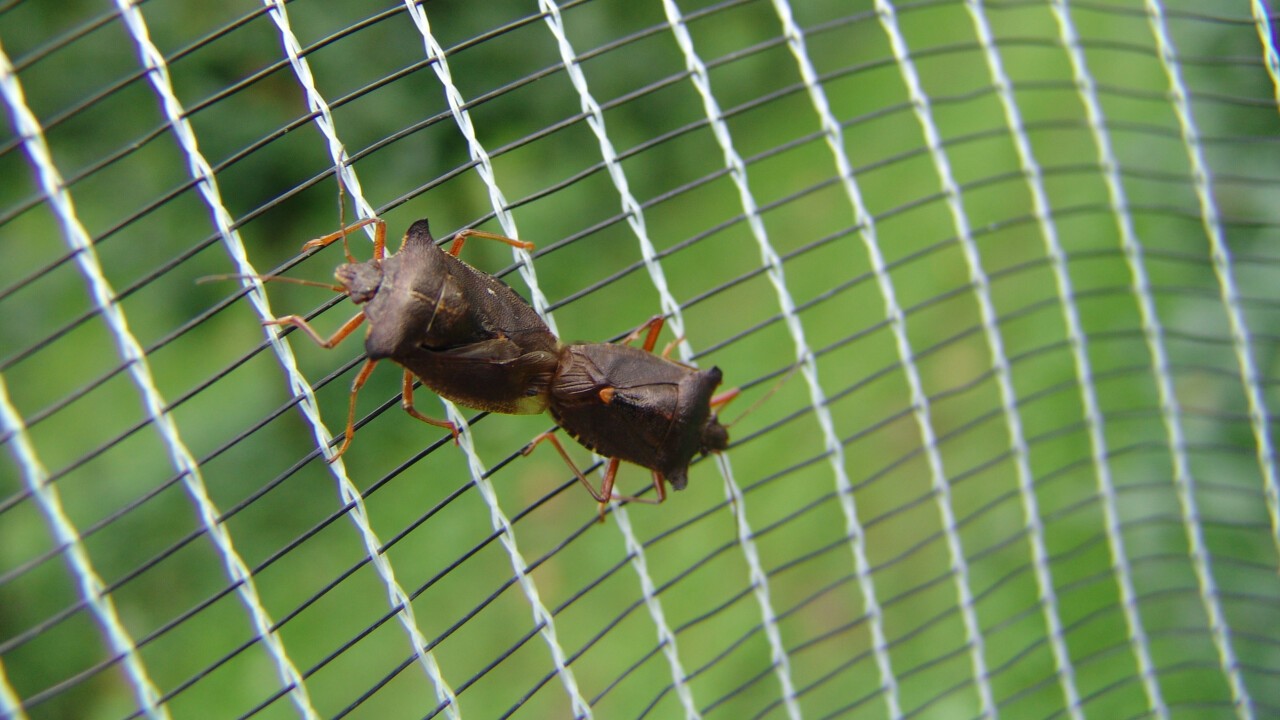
470,338
626,403
464,333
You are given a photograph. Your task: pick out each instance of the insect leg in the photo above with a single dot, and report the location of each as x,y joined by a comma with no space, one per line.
659,484
606,487
461,238
379,238
555,442
351,410
303,325
653,326
406,401
606,493
610,476
721,399
666,351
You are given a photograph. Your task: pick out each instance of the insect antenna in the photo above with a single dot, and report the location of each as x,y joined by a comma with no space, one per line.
342,213
270,278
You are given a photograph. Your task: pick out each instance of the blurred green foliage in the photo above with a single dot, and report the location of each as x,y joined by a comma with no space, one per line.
155,238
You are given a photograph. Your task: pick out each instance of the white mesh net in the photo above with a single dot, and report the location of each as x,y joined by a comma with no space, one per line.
1018,251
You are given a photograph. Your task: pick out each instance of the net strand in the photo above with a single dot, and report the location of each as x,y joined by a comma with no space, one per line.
350,495
134,357
1153,334
834,136
634,213
700,77
66,535
1165,412
1077,340
1271,58
184,134
133,505
631,207
320,110
543,619
1259,418
781,661
10,705
887,15
480,157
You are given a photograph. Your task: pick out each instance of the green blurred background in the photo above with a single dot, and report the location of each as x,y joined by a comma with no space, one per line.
78,67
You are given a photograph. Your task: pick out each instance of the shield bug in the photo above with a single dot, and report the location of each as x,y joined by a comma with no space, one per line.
466,334
627,403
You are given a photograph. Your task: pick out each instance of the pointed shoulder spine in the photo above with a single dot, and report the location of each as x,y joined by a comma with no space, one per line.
419,234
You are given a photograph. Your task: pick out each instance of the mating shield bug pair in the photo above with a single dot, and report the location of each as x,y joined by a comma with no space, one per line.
470,338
